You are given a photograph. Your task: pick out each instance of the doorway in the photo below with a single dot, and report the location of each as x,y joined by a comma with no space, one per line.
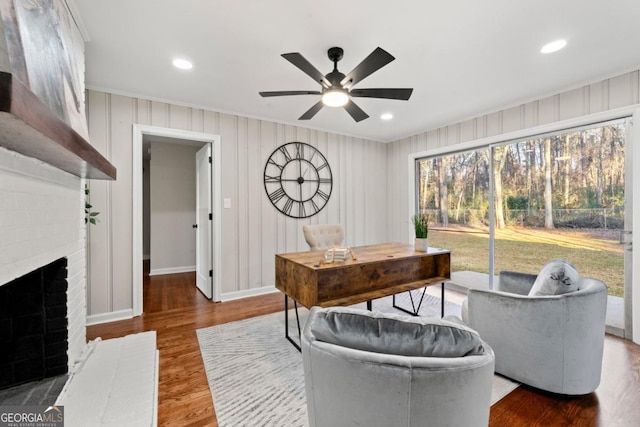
141,136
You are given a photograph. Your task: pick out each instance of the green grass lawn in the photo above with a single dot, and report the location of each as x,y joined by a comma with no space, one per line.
594,253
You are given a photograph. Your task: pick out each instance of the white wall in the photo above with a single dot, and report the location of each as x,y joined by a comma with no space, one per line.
172,208
253,231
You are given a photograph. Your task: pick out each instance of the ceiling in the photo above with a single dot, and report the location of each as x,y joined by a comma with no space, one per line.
463,58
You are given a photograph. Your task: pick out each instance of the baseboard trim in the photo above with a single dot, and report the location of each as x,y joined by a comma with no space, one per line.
96,319
230,296
172,270
614,330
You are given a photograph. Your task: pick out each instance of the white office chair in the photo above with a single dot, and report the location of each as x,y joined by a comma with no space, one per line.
323,236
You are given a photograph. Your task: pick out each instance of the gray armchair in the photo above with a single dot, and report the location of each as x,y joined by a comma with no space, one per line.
323,236
553,342
373,369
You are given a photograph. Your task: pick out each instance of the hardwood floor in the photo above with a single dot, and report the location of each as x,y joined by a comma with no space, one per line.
174,308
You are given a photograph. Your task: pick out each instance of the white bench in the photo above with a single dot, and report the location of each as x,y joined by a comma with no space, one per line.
115,383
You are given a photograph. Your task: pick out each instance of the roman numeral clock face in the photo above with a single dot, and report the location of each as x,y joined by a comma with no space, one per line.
297,179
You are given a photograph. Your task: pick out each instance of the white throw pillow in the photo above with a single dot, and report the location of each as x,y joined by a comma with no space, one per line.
557,277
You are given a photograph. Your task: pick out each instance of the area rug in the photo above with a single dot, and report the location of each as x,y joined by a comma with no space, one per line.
256,376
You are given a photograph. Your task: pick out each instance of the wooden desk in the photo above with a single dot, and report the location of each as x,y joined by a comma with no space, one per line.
379,271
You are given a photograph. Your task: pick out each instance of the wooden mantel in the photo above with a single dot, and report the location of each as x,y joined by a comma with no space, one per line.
29,127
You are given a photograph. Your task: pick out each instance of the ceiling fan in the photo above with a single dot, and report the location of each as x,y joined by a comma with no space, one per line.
337,89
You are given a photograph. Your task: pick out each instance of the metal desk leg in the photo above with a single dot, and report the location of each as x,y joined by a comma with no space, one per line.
415,310
286,323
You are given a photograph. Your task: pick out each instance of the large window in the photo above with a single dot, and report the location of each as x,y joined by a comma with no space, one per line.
516,205
454,191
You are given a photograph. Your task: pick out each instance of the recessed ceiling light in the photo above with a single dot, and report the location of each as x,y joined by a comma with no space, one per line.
553,46
183,64
386,116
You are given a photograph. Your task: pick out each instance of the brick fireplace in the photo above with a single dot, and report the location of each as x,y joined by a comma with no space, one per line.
42,222
45,157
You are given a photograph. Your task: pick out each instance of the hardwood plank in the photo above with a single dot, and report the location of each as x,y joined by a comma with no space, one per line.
185,399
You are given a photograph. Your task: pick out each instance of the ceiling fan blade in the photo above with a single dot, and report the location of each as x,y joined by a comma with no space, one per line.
376,60
290,92
402,94
355,111
312,111
299,61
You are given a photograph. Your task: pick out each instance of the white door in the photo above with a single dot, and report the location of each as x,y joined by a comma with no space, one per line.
204,222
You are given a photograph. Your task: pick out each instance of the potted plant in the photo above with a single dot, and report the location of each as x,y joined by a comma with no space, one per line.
421,227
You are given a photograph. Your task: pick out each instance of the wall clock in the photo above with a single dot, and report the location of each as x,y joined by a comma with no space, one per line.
298,180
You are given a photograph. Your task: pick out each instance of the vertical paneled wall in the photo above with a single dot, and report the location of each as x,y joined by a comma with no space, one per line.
253,231
615,92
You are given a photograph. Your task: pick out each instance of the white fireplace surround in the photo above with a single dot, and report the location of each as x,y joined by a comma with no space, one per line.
42,220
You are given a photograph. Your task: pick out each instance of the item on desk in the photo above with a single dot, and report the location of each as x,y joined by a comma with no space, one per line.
338,254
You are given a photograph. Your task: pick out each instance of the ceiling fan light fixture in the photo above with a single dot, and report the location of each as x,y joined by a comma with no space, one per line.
337,88
335,98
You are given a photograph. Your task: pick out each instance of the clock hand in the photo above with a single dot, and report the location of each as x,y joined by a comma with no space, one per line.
300,179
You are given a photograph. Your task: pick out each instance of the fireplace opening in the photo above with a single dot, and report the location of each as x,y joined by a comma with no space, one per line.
33,326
